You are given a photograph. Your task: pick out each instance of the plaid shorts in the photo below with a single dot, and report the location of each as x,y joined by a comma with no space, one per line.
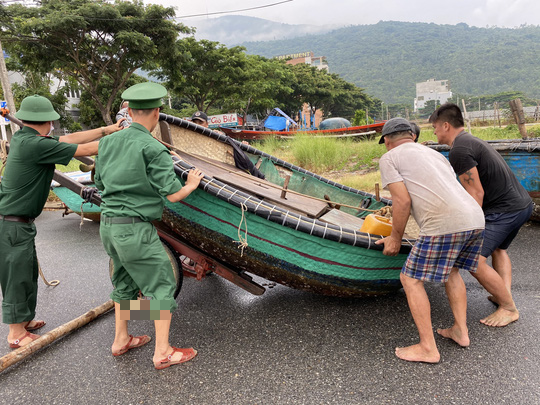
432,257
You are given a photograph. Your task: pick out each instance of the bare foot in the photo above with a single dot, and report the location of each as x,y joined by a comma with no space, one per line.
501,317
418,353
493,299
456,335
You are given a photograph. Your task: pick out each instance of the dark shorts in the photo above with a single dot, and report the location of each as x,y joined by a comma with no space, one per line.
502,228
433,257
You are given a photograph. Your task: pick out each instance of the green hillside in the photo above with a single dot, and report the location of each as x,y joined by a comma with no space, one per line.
388,58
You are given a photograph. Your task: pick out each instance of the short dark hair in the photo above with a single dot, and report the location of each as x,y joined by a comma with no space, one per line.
450,113
34,122
416,130
146,112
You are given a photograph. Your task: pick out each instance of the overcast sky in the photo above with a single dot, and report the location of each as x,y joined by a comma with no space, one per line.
480,13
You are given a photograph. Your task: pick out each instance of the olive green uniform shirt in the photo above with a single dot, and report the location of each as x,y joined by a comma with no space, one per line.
29,170
134,172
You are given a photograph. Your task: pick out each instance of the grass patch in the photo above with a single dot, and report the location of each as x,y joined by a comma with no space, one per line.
72,166
321,154
364,182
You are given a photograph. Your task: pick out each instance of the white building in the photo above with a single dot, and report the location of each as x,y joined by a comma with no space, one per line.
432,89
308,58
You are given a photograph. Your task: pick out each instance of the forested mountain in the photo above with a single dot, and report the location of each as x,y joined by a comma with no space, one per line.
234,29
388,58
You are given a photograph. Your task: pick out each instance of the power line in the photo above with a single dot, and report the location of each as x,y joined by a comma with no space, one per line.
174,18
235,11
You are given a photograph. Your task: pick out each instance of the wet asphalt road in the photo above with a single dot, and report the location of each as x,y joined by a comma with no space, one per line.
284,347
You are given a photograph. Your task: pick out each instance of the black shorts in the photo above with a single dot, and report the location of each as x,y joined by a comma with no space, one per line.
502,228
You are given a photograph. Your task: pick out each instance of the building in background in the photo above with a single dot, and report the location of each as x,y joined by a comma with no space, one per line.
305,118
306,57
431,89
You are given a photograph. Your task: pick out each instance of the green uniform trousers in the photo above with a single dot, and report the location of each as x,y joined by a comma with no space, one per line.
18,271
140,263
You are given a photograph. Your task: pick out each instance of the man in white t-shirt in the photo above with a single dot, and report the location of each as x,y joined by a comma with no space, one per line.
423,183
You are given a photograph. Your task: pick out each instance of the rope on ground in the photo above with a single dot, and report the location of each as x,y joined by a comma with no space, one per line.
242,240
52,283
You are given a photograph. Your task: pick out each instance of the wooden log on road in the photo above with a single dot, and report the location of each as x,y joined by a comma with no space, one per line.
46,339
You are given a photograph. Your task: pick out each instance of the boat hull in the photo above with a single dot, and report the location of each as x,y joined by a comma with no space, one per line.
250,135
281,254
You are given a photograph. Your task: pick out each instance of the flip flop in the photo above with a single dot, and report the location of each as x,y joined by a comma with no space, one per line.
37,325
144,339
187,354
15,344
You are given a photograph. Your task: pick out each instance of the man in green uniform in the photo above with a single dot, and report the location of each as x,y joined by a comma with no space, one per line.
23,191
135,173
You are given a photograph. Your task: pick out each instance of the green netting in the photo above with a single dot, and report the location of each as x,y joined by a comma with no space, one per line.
309,252
309,185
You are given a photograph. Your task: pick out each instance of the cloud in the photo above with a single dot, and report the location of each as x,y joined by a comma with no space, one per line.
481,13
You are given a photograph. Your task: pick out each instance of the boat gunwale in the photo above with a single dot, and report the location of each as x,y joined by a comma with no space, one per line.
284,217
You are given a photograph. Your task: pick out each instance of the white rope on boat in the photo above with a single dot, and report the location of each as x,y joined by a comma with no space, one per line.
232,195
312,227
220,190
285,218
242,240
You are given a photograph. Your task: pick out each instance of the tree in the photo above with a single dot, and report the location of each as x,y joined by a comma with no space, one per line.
90,41
89,115
205,72
35,83
263,84
328,92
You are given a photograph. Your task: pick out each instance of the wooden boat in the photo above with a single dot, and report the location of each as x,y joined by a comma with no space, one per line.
365,131
523,158
282,228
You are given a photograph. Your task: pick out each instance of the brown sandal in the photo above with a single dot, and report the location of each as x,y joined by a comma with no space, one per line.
15,344
187,354
144,339
37,325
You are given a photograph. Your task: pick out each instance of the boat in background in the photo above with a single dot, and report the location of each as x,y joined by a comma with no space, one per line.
523,158
363,131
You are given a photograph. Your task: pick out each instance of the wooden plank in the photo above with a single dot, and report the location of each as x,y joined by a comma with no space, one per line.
340,218
263,189
299,204
207,166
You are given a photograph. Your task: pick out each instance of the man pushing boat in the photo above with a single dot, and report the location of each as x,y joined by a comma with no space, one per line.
135,173
23,192
451,224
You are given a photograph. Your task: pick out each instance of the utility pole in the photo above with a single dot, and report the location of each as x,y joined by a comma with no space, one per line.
4,81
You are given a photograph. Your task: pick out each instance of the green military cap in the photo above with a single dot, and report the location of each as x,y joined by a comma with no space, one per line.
36,109
144,96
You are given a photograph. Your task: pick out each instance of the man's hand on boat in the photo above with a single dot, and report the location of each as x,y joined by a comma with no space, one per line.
391,245
194,177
